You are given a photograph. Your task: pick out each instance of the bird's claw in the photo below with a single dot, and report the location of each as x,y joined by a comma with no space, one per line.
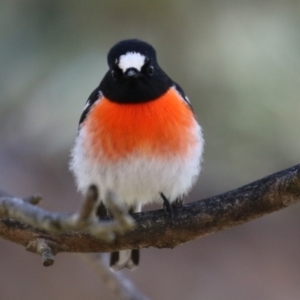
167,206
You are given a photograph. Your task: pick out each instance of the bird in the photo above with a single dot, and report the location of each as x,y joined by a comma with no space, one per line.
138,136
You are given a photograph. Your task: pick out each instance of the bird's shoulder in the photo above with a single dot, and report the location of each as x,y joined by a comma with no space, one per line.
182,94
92,99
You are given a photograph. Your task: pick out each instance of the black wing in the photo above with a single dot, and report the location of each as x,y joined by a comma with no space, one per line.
182,94
95,95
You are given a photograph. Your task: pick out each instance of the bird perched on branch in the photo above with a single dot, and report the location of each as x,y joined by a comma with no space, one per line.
138,136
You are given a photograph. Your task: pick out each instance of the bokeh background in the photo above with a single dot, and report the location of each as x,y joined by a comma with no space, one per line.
239,63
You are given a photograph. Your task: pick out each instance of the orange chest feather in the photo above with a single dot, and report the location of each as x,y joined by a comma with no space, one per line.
157,128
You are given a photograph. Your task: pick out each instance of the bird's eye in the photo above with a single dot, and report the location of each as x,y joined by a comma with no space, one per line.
114,74
150,70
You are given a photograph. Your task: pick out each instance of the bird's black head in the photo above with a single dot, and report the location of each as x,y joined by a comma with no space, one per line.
134,75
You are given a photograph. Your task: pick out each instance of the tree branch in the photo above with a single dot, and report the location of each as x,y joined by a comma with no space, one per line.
155,229
84,220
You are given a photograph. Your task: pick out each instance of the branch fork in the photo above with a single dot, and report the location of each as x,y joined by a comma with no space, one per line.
84,221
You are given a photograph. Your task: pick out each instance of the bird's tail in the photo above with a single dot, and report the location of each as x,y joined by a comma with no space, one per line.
125,258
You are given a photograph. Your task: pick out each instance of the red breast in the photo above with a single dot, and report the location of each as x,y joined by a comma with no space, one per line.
157,128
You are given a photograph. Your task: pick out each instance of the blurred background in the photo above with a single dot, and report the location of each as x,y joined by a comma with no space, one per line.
239,63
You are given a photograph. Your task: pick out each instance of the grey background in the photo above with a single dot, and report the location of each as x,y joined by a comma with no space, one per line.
238,61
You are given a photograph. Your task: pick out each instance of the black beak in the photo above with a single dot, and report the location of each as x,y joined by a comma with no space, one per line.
132,73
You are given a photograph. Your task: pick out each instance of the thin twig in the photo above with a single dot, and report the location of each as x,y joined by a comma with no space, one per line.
121,286
43,247
34,199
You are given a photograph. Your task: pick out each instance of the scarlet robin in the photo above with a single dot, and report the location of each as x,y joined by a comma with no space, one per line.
138,136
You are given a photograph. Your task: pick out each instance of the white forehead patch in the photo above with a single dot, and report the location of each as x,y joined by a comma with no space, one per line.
131,60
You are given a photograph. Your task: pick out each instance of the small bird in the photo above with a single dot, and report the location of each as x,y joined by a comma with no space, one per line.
138,136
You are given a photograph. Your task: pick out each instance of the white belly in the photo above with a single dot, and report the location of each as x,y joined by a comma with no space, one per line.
138,179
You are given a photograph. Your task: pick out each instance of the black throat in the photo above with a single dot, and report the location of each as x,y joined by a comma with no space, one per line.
135,90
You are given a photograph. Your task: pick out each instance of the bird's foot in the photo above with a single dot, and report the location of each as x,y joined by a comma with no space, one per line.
178,202
167,206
